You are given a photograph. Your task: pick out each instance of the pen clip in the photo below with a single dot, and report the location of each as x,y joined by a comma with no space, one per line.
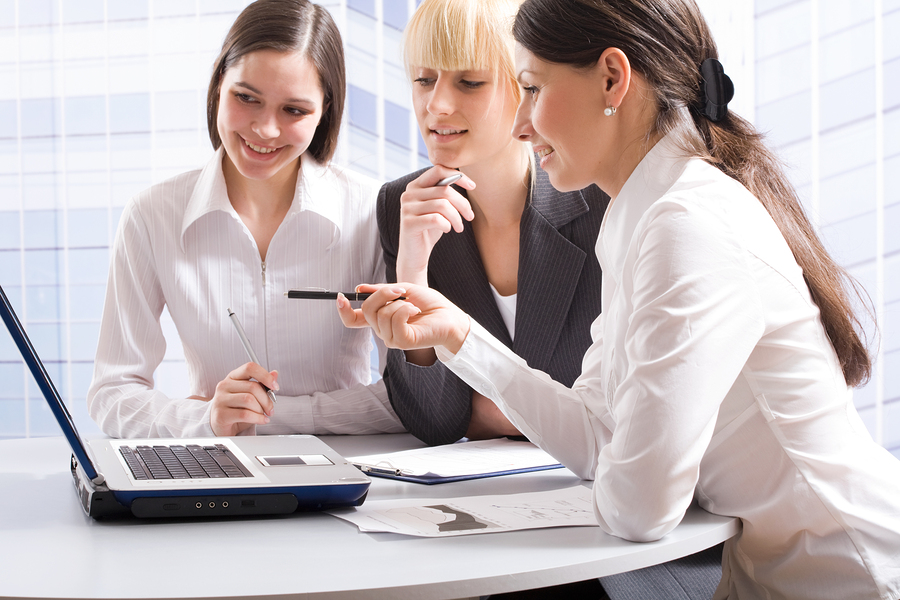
376,470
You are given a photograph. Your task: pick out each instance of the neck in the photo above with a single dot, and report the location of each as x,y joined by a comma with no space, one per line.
503,183
260,199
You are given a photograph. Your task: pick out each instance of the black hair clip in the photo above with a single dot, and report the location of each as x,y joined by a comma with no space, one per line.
716,90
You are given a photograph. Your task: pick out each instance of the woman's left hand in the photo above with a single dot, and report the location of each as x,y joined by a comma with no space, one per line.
425,319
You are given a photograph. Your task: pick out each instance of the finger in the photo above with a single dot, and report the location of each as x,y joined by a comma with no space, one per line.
437,213
350,317
252,370
246,393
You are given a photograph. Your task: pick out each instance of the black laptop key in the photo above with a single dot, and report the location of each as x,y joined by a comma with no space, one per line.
171,462
134,463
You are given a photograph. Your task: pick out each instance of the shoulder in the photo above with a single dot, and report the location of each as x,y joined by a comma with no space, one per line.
708,212
163,201
354,183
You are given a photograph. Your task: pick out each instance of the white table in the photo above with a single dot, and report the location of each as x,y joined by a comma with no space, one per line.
50,549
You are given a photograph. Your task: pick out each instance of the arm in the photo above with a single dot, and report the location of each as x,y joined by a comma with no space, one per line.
121,398
689,319
433,403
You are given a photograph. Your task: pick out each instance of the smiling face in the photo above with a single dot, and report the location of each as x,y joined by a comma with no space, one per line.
464,116
561,114
269,107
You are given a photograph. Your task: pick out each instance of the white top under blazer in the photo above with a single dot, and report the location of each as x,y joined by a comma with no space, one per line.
180,244
711,377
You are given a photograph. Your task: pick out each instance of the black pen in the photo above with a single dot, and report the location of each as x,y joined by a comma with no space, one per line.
249,349
325,295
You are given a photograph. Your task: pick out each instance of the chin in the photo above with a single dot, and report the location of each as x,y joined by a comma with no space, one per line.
564,184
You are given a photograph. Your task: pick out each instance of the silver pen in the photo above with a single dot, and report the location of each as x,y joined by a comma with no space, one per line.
249,349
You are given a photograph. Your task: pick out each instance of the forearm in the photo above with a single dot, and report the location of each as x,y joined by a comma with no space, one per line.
554,417
433,403
358,410
133,410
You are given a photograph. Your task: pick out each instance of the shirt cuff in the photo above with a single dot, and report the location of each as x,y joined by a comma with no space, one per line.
483,362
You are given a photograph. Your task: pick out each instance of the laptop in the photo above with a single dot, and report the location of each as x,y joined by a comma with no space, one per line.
191,477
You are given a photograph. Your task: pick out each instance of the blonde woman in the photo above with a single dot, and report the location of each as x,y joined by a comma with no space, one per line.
501,242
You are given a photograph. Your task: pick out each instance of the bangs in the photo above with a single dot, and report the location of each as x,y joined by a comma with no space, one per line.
461,35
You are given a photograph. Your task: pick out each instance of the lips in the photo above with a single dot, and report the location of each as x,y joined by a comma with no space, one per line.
544,155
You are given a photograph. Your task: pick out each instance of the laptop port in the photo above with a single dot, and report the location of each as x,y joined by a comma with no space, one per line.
212,504
224,504
199,505
248,503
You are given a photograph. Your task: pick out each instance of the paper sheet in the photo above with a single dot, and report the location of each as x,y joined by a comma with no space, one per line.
474,514
467,458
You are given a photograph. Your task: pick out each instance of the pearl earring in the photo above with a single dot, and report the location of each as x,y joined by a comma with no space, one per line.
609,111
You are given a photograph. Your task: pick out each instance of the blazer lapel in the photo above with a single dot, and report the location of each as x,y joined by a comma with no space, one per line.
550,267
464,281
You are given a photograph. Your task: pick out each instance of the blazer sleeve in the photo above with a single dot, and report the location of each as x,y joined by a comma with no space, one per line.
433,404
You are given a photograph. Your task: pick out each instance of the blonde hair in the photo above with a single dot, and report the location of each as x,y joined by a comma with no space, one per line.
461,35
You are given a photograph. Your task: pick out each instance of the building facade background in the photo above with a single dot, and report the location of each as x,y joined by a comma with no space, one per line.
104,98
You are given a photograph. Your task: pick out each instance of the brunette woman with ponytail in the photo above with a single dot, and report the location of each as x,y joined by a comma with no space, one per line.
726,352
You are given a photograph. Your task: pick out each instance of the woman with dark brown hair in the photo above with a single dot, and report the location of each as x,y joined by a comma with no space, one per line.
723,360
268,213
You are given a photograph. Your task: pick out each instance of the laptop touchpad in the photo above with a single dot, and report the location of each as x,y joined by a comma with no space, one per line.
292,460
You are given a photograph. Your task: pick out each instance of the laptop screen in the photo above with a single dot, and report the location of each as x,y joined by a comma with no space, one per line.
43,380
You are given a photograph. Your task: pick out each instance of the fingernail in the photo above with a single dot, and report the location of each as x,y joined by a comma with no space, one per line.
398,290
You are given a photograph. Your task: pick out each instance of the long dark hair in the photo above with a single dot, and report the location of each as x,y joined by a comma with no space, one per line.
288,26
665,42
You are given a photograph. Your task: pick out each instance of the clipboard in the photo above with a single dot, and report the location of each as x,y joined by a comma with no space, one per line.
461,461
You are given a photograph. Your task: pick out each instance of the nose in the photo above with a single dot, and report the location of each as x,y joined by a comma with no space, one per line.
440,102
266,126
522,129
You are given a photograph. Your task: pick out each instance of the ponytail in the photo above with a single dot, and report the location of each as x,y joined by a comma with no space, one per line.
737,149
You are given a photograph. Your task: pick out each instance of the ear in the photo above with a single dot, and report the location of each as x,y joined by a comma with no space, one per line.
615,72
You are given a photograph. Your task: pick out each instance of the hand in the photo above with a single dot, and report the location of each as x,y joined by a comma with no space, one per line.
426,213
487,421
240,403
424,320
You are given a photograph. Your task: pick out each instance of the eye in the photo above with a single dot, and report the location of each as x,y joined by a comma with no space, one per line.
297,112
530,89
472,85
424,81
245,98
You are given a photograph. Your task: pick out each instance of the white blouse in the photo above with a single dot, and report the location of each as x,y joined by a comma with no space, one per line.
180,244
711,377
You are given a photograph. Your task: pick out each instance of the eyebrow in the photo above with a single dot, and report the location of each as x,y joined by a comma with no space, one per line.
521,73
244,84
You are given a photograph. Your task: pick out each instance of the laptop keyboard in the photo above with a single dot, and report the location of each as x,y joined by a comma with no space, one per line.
190,461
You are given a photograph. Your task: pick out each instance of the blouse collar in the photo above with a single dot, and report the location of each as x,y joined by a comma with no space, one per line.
651,179
317,191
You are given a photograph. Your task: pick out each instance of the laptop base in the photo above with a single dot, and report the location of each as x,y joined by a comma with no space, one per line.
96,500
213,506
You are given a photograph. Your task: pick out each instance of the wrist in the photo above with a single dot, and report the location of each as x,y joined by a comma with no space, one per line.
458,333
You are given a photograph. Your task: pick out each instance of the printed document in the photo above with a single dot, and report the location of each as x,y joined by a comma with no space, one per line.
570,507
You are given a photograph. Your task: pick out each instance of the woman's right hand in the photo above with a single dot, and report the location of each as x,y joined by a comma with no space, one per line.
422,319
428,211
240,403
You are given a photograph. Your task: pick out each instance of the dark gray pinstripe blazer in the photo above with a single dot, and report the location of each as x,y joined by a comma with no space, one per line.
558,298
